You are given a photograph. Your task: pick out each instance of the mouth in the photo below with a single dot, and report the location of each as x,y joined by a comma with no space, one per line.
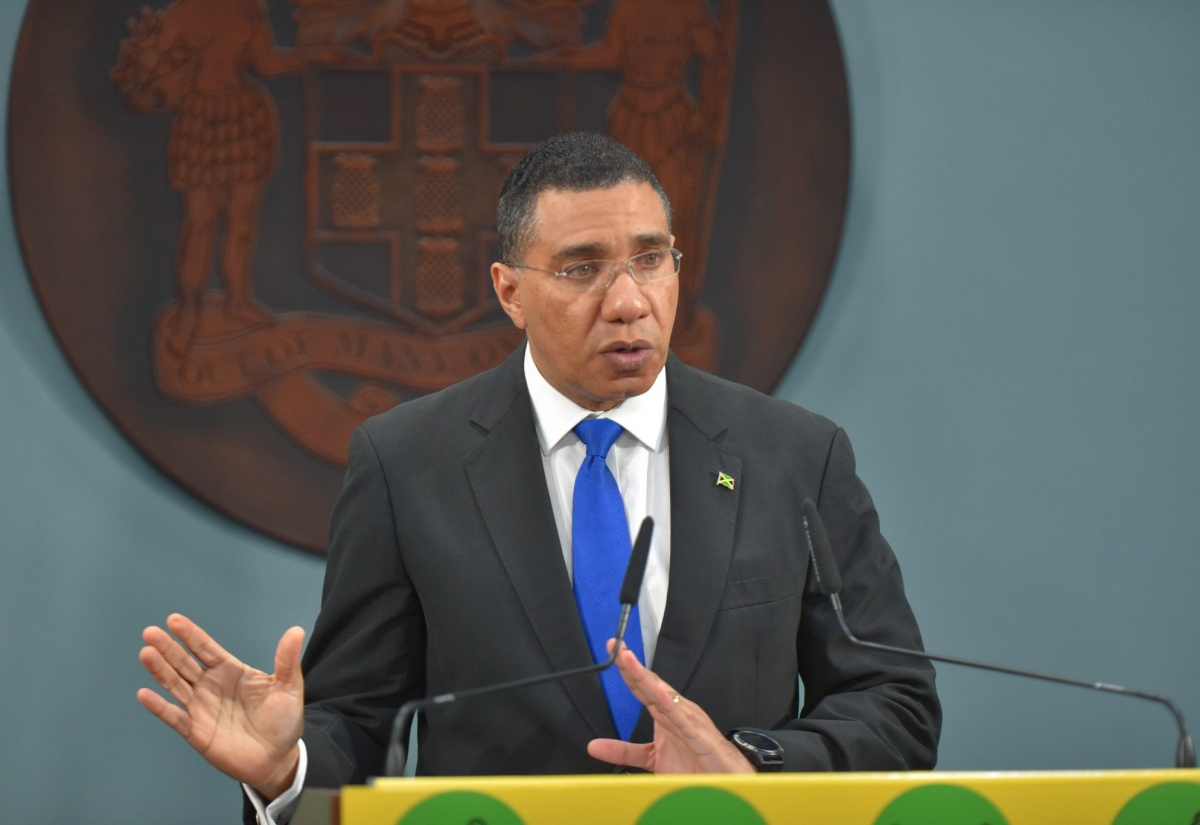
628,356
628,346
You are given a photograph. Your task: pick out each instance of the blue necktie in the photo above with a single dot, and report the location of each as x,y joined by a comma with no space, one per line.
600,553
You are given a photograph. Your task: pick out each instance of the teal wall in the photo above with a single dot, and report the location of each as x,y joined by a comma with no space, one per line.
1010,337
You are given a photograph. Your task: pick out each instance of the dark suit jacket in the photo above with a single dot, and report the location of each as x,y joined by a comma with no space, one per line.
445,572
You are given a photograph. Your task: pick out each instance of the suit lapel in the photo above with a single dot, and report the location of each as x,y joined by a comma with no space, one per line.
509,483
703,518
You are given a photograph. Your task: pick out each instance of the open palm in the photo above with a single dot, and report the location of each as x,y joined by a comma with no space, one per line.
245,722
685,738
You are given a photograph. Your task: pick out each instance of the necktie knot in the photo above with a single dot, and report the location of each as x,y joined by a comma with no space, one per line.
598,435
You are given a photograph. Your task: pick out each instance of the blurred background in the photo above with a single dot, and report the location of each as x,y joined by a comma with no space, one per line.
1009,336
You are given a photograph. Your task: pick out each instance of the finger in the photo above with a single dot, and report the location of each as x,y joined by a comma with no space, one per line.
616,752
643,683
174,653
200,643
158,667
671,710
694,729
175,718
287,658
677,714
667,707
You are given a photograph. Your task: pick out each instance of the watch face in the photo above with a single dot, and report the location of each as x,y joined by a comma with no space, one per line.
759,741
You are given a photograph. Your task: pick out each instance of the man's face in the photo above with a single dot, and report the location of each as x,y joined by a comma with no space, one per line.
596,348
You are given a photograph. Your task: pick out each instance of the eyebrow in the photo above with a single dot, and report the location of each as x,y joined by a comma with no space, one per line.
594,250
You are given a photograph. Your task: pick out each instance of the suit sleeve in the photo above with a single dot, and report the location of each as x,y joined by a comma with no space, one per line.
367,651
863,710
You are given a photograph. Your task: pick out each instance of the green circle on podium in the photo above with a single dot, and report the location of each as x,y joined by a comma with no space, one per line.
941,805
701,806
1168,804
460,808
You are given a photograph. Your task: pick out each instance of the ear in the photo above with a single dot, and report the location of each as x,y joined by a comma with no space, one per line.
508,290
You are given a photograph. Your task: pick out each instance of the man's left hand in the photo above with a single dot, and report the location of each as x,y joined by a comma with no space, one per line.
685,739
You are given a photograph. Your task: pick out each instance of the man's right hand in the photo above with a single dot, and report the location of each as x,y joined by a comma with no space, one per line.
245,722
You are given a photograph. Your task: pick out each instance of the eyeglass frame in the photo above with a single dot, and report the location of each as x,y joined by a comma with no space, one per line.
563,278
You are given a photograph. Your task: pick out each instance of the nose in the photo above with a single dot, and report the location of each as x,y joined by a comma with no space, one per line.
624,300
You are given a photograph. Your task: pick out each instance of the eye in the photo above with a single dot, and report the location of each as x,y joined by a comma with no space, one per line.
582,270
650,260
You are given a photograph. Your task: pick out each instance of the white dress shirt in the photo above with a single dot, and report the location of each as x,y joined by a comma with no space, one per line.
638,461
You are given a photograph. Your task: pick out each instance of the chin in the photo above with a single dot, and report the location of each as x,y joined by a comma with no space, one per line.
631,387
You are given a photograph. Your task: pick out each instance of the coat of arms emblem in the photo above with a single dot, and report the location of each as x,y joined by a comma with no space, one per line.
252,224
414,112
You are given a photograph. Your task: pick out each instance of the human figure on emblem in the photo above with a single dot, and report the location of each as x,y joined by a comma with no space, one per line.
194,57
653,43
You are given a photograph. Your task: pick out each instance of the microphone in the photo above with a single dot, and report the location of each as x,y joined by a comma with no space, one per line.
630,587
829,582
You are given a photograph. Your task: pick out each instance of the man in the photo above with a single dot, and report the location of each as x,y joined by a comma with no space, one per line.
452,554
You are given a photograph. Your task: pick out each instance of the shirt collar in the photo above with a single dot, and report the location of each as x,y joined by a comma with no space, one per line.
643,416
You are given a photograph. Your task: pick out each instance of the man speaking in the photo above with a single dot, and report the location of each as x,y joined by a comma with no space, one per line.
481,529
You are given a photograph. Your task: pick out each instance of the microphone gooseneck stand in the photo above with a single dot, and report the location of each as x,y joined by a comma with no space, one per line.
829,582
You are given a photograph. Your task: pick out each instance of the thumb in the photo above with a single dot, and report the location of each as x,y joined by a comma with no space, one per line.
287,658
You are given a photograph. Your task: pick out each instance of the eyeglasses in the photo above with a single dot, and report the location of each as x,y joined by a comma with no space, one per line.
585,276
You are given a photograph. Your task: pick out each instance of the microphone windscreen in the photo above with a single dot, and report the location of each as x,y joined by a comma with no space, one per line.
637,563
829,580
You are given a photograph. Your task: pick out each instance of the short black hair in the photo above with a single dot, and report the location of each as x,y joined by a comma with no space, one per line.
575,162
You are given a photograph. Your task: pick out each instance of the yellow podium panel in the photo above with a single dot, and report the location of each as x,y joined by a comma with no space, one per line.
1166,797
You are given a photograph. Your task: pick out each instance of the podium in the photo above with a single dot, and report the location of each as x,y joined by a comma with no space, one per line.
1137,797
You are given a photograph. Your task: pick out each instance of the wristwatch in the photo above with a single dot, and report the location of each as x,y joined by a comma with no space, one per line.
763,752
